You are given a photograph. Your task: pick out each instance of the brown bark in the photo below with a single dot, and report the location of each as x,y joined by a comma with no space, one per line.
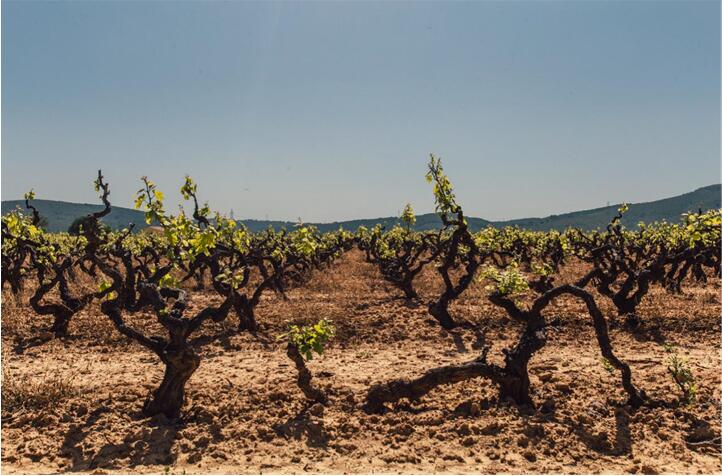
168,399
304,376
514,383
395,390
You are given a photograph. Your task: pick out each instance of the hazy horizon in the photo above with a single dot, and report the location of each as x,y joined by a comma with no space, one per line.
188,209
328,111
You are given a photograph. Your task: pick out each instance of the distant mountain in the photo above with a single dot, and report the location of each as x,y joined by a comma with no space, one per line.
669,209
61,214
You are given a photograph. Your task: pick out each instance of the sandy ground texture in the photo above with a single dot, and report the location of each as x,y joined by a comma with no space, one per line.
73,405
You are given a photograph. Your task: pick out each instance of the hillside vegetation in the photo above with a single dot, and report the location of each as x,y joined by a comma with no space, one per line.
61,214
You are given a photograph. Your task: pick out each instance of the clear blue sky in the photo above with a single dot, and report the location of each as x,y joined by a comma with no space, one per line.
328,110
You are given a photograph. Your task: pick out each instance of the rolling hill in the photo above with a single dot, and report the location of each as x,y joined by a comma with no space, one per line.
61,214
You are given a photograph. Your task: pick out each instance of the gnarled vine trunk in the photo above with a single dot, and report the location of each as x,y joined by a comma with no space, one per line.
246,315
395,390
513,378
514,382
168,398
408,288
61,323
440,311
304,375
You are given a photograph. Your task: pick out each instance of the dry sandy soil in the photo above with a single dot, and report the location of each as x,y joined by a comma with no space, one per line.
73,405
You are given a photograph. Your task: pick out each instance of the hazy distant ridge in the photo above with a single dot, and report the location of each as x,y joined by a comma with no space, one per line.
61,214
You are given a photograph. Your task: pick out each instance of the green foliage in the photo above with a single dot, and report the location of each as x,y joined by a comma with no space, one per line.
153,200
189,188
168,281
241,240
407,217
103,286
304,241
97,185
608,365
21,226
505,283
443,189
232,279
542,269
310,339
188,191
703,228
203,242
682,375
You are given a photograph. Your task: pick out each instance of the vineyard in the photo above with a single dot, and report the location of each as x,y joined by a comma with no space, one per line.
199,346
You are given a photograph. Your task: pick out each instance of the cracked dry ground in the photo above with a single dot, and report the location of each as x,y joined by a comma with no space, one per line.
244,413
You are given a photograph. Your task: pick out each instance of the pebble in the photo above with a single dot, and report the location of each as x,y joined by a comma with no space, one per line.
316,410
546,377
